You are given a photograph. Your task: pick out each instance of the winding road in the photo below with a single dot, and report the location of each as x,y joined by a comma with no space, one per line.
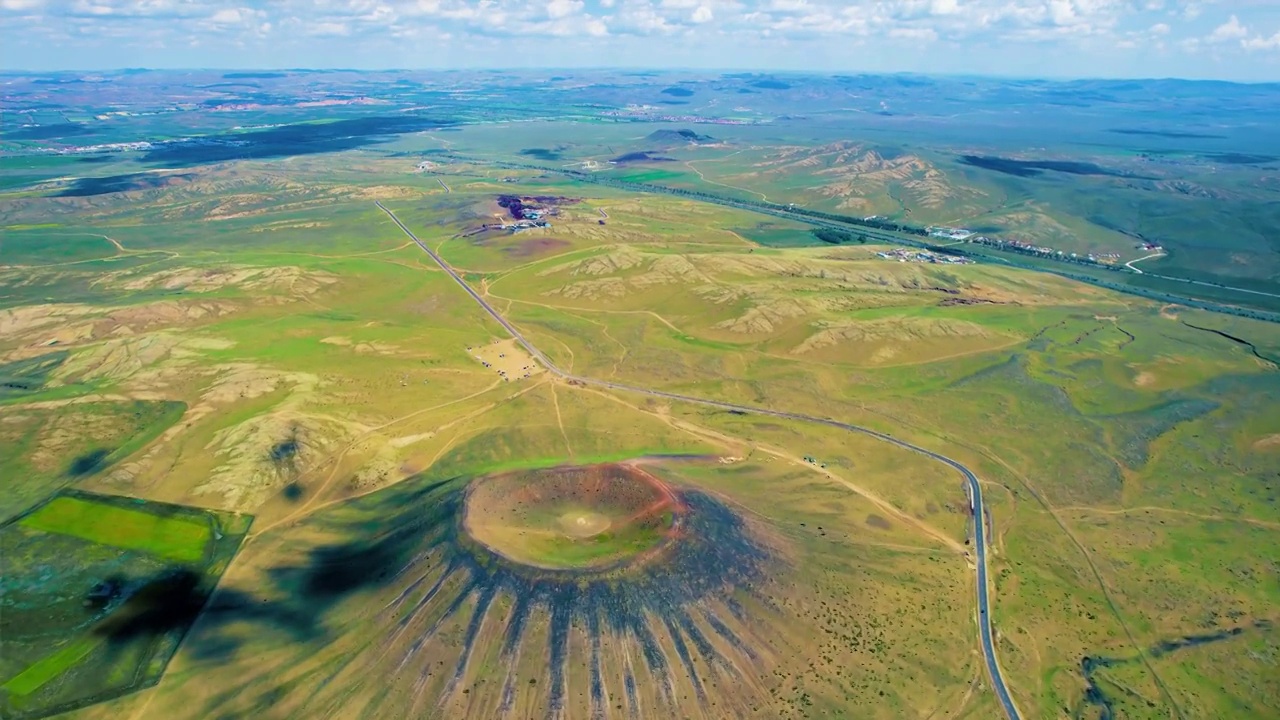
1152,256
985,631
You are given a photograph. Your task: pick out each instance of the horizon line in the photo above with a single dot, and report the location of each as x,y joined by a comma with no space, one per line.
10,72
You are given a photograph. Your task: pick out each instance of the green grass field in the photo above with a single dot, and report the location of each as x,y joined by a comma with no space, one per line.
176,539
49,668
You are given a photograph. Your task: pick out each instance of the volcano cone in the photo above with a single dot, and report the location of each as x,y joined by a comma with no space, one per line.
596,517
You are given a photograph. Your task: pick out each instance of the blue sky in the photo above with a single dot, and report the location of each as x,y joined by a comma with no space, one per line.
1227,39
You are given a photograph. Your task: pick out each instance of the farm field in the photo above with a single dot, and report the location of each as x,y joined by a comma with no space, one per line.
264,457
99,593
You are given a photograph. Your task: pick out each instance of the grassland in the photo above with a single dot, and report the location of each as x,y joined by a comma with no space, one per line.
1105,201
177,539
53,443
261,340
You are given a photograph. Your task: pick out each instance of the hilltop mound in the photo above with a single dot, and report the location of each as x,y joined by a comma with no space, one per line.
678,137
640,157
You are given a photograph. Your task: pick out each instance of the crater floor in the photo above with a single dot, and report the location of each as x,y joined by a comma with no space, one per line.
591,517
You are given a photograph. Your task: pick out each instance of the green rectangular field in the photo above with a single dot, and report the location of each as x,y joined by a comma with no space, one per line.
176,539
35,677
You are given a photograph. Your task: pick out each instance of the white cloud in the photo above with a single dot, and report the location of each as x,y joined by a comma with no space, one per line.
1230,30
563,8
1062,12
788,6
1261,43
945,7
226,16
89,8
641,19
329,29
918,34
727,32
954,20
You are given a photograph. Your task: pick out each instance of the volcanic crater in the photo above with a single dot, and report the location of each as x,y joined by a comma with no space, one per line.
600,517
588,591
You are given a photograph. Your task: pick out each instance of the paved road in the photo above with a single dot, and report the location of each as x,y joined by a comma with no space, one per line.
971,480
1209,284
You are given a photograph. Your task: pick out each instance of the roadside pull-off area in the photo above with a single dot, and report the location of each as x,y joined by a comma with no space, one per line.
974,487
508,359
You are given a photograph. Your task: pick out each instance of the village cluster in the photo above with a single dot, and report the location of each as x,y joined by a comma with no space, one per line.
923,256
1026,247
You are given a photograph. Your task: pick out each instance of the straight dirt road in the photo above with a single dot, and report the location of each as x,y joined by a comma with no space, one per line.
985,631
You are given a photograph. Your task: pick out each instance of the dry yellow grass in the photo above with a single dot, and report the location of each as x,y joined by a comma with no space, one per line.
1268,442
862,179
294,280
883,340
